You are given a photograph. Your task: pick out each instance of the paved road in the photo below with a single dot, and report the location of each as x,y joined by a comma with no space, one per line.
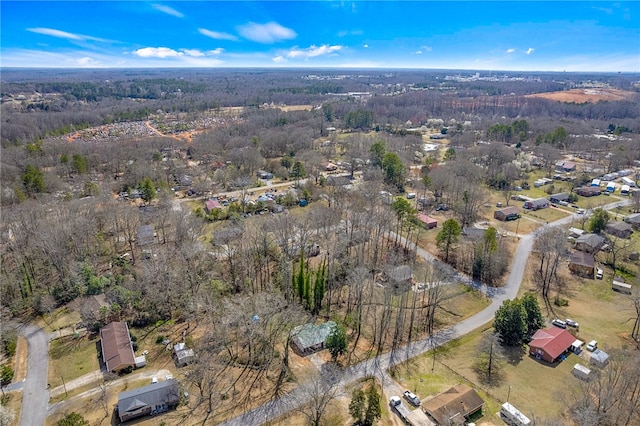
35,396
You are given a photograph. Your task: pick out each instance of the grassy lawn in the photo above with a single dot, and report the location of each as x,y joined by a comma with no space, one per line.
13,402
70,358
550,214
60,318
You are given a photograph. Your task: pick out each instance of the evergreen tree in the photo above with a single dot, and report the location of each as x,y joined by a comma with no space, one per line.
374,410
336,342
511,322
357,405
448,237
534,315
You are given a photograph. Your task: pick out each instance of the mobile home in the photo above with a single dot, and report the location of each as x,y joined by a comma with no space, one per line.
621,287
512,416
628,181
611,187
625,189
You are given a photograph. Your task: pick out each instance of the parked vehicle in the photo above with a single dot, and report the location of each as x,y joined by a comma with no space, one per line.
396,404
559,323
592,346
572,323
599,273
412,398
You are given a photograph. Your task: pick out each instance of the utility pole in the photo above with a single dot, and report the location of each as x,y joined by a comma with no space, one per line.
64,386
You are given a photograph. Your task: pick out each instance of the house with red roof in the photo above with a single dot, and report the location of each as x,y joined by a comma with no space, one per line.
549,344
426,221
211,205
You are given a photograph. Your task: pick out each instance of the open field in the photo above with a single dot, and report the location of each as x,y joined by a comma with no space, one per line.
70,358
591,95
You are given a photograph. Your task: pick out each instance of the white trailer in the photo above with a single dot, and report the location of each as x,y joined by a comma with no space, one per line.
621,287
511,415
628,181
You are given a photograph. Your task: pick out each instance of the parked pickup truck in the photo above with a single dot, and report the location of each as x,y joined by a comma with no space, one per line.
401,410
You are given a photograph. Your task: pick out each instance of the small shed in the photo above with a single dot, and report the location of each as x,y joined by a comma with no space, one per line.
599,358
581,372
183,354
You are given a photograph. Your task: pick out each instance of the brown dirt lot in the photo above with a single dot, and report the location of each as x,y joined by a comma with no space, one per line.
20,362
580,96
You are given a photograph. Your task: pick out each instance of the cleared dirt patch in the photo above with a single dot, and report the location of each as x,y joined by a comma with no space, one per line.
587,95
20,364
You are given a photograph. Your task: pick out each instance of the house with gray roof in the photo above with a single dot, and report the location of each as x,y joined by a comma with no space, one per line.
309,338
633,220
590,243
618,229
149,400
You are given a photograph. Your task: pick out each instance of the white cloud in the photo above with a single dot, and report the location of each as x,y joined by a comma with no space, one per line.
279,59
313,51
157,52
418,52
195,53
63,34
55,33
217,35
426,48
366,46
529,51
87,62
511,50
268,33
217,51
168,10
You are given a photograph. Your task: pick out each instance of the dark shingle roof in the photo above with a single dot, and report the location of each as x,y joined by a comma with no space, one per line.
166,392
117,352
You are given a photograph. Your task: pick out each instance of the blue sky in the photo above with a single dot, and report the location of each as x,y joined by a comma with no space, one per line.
475,35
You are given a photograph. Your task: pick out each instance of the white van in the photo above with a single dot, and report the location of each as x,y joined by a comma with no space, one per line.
559,323
599,273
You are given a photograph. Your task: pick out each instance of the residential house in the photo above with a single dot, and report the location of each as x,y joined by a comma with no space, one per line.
537,204
91,307
556,198
183,355
473,233
453,406
152,399
549,344
146,235
309,338
588,191
399,274
507,213
618,229
582,263
633,220
116,347
211,205
590,243
264,175
426,221
565,166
